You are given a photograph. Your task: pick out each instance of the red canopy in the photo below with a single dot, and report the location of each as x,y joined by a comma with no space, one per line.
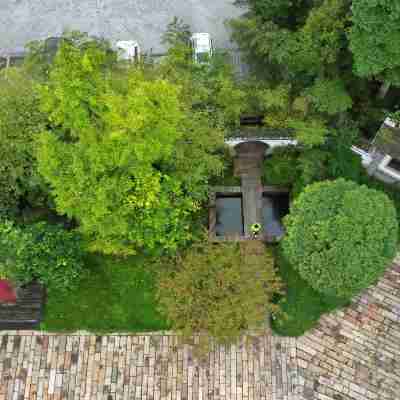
7,292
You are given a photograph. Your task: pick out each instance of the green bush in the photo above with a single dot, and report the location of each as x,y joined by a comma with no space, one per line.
214,289
340,236
281,167
226,177
311,167
47,253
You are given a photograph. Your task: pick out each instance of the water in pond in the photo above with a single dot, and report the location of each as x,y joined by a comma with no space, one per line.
275,207
229,215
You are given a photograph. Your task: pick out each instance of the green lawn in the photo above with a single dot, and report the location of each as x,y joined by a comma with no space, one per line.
117,295
302,304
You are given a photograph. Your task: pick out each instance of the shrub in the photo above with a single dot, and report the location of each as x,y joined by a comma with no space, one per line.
340,236
281,167
311,168
47,253
215,289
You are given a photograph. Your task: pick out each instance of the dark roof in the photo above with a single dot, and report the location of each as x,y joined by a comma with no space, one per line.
387,140
27,312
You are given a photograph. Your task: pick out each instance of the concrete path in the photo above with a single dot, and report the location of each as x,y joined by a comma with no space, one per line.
353,354
142,20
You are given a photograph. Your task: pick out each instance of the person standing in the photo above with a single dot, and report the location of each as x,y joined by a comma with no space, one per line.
255,229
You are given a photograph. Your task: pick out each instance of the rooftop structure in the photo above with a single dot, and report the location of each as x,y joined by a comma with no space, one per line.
382,159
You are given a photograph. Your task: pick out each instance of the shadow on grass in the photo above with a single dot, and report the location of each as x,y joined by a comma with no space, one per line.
302,305
115,295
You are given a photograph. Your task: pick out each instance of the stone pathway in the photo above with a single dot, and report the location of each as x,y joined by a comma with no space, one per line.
353,354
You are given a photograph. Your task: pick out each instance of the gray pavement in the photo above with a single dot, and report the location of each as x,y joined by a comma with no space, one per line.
143,20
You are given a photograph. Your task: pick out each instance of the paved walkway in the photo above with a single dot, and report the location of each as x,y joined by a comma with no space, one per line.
352,355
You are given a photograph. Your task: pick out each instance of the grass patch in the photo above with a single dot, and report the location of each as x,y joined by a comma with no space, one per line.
116,295
302,304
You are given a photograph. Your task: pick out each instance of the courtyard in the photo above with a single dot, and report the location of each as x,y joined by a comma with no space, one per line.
352,354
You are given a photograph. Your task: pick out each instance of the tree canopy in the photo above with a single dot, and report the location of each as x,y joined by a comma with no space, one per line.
117,156
340,236
321,49
20,122
374,38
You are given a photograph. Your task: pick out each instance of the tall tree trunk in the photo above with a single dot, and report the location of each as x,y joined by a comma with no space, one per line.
383,90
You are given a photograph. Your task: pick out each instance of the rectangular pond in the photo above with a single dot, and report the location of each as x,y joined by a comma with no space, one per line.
229,215
275,207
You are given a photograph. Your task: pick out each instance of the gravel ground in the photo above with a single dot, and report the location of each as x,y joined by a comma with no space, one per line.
141,20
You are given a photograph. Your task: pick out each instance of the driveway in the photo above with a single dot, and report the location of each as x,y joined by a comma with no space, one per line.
142,20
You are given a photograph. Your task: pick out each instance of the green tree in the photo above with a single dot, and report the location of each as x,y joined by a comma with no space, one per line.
296,113
310,43
117,156
219,290
177,32
340,236
209,88
46,253
281,167
285,13
41,53
20,122
302,45
329,96
374,38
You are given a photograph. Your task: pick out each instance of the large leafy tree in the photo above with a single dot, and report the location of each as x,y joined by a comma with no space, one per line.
340,236
209,88
285,13
306,114
304,54
374,39
117,156
20,122
305,38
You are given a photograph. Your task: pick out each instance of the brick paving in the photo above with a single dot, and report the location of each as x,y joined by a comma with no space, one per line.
353,354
